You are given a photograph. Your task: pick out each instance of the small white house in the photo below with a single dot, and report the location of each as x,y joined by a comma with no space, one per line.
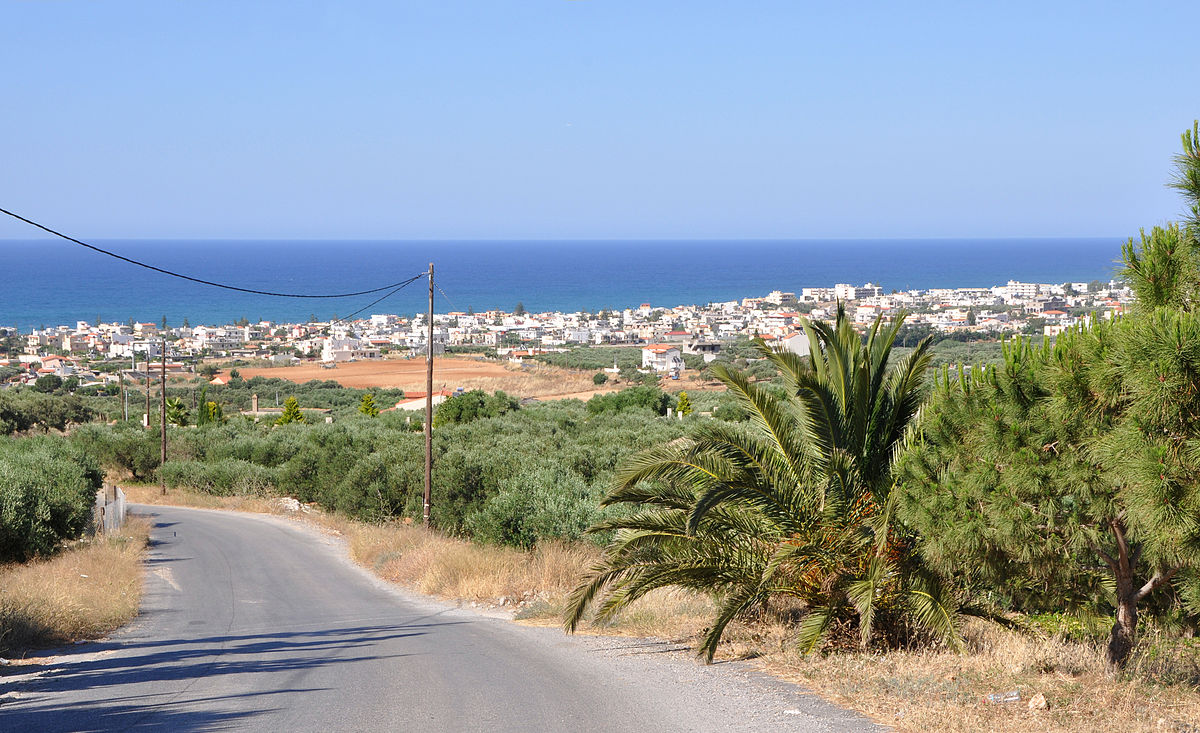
662,357
334,350
797,343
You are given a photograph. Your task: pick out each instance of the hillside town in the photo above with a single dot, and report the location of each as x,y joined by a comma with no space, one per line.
666,333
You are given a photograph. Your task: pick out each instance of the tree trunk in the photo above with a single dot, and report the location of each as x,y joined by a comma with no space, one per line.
1124,631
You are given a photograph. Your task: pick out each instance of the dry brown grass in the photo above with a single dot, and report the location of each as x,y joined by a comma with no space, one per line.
82,593
940,690
460,570
535,380
149,494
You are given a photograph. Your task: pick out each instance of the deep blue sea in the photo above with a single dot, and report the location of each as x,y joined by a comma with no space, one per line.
51,281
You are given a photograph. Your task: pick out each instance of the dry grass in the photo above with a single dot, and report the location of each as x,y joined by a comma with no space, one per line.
940,690
150,494
460,570
82,593
536,380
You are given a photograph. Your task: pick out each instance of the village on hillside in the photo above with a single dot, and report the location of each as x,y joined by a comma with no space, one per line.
665,334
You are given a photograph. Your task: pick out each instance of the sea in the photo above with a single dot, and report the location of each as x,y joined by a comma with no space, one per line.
46,282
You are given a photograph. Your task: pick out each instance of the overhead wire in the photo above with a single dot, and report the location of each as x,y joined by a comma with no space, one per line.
443,292
394,287
402,285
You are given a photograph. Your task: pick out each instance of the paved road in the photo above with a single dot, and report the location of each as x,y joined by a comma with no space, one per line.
254,623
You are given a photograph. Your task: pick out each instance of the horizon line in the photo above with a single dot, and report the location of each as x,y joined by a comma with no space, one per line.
580,239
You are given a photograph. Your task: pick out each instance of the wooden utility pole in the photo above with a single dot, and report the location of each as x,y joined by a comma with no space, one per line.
124,397
429,403
148,389
163,422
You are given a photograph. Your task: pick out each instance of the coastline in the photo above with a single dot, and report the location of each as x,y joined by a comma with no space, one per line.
50,282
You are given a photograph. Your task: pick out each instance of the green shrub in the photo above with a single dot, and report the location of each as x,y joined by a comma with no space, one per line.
373,468
226,477
47,489
644,397
537,505
126,447
468,406
731,413
386,483
48,383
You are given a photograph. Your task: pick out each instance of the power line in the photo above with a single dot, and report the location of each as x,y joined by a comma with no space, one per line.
402,285
443,292
181,276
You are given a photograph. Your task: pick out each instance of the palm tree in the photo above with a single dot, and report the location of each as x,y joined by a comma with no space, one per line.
177,413
796,504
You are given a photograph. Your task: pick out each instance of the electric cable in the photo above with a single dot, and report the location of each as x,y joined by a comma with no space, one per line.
402,286
252,291
443,292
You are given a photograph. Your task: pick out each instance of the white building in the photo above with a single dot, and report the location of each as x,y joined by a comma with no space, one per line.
662,357
797,343
843,291
347,350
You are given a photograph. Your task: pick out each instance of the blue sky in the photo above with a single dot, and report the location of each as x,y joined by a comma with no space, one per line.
592,118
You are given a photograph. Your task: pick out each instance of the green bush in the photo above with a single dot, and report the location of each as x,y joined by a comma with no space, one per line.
537,505
226,477
386,483
468,406
48,383
126,447
47,489
643,397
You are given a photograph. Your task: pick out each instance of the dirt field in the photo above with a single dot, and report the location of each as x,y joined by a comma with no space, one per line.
542,382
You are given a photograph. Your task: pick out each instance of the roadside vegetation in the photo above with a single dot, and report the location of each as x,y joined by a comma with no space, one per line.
47,488
55,586
85,590
505,474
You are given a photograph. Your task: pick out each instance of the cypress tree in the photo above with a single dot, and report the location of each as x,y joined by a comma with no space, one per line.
291,412
685,404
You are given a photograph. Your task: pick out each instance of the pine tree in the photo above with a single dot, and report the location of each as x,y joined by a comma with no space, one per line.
367,405
291,412
1067,476
685,404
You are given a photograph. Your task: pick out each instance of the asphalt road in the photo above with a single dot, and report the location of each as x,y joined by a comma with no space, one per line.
261,624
